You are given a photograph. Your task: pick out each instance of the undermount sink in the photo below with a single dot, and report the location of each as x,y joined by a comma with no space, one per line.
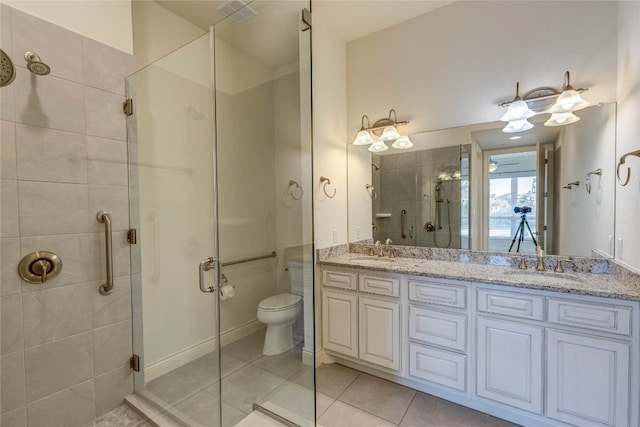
371,260
541,276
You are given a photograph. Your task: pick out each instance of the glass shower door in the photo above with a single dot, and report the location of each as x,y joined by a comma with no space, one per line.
171,156
220,165
264,195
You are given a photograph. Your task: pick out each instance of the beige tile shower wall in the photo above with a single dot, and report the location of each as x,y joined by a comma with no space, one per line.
64,347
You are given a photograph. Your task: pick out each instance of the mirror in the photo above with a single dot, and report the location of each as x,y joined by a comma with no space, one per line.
473,187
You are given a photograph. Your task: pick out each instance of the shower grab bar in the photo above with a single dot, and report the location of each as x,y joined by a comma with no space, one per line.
104,217
273,254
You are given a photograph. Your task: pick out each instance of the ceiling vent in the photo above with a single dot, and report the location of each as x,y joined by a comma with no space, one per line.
237,10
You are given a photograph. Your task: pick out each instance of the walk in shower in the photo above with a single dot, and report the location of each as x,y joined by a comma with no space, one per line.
220,180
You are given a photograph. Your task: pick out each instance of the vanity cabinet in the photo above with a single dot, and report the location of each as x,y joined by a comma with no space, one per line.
379,332
339,322
361,317
438,320
587,379
571,354
509,363
537,358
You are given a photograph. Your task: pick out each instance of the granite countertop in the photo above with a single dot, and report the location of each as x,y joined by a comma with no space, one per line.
599,285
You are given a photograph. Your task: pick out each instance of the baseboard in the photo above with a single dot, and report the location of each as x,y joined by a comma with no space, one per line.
198,350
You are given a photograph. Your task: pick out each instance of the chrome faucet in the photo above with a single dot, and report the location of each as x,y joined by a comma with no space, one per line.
523,262
540,255
387,245
378,247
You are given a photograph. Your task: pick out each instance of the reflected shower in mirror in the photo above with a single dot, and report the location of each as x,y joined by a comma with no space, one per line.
422,197
459,188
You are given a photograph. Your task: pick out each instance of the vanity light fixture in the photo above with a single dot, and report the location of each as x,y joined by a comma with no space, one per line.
383,130
569,100
561,119
363,137
560,104
493,165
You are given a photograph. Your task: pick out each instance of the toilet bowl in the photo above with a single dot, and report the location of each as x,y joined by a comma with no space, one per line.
279,313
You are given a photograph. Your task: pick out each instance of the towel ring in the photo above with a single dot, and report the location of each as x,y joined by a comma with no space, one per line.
293,186
372,191
326,181
620,163
587,184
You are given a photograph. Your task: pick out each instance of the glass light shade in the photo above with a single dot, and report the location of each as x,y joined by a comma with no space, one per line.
390,133
561,119
456,175
402,143
493,166
569,100
378,146
363,138
518,110
517,126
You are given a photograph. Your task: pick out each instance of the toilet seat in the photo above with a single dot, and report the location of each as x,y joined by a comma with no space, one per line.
280,302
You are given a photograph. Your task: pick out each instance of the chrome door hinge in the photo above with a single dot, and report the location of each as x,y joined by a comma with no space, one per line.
127,107
306,20
134,362
132,236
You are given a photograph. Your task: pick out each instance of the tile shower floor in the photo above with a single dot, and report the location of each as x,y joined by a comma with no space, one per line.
345,397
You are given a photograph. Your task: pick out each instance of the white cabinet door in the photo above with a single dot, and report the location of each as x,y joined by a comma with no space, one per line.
339,322
587,379
509,362
379,329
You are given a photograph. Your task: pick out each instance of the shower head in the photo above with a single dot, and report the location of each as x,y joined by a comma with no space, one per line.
7,70
35,64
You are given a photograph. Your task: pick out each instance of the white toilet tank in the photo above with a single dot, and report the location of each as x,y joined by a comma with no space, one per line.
296,277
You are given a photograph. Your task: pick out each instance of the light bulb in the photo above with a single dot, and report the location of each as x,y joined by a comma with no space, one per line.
390,133
378,146
517,126
569,100
402,143
561,119
363,138
518,110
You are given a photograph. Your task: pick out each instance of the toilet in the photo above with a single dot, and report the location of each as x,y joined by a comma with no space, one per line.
280,312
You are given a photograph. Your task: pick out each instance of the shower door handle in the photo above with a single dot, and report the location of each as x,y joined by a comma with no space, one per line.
206,265
403,218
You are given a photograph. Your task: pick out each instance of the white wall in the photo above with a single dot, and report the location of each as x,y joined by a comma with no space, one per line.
628,132
157,32
108,22
452,66
329,129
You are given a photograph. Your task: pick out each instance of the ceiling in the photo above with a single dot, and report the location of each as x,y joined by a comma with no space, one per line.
351,19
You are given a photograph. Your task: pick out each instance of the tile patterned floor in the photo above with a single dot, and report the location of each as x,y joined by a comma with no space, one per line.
349,398
122,416
344,397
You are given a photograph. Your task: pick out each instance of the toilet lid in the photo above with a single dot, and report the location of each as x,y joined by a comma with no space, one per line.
280,302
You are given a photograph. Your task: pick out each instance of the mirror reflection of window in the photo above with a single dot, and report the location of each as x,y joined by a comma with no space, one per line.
512,203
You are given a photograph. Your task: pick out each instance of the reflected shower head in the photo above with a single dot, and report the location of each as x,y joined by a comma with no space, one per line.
8,71
35,64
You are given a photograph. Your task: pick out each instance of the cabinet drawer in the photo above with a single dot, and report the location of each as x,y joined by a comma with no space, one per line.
339,279
437,366
389,286
615,319
438,293
438,328
514,304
